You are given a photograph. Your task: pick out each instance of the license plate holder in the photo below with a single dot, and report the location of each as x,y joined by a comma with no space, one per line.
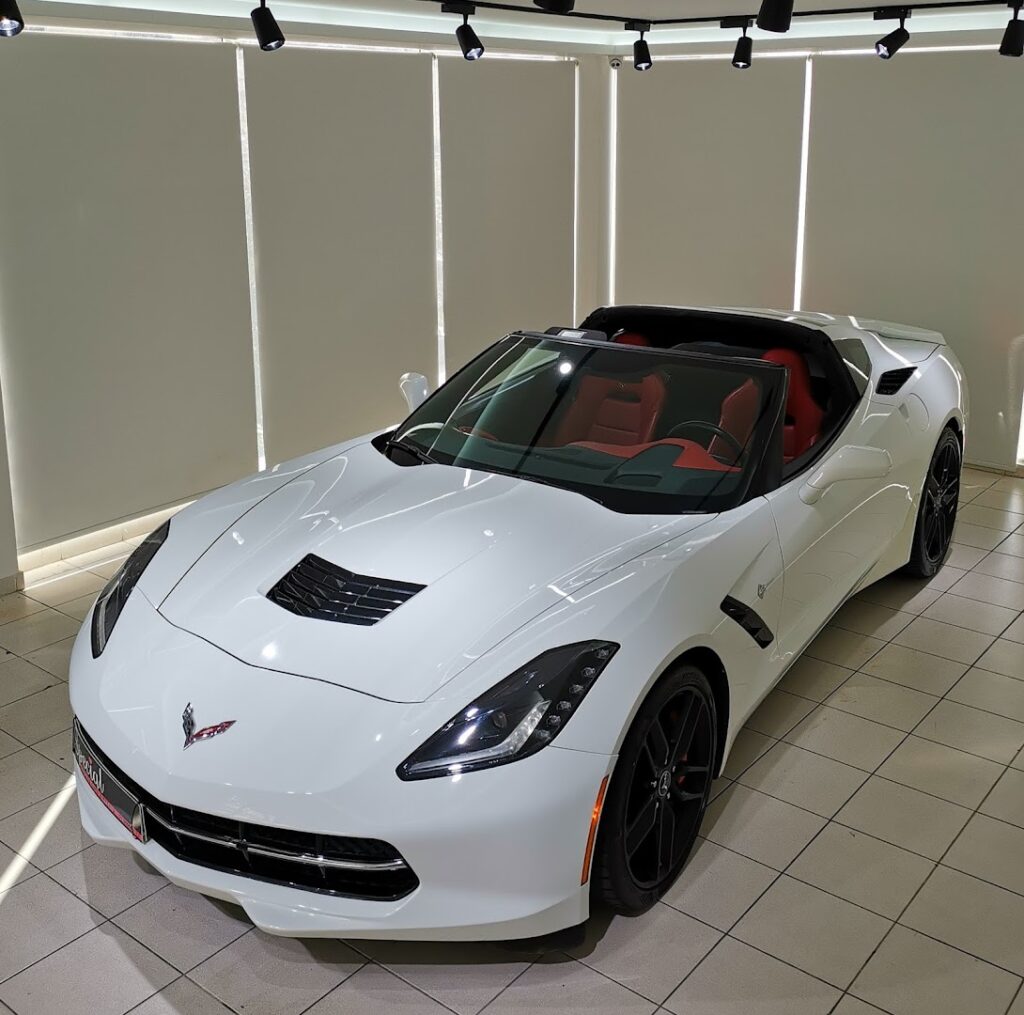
124,805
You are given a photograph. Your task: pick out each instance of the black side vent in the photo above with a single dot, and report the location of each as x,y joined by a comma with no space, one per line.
749,620
892,380
317,588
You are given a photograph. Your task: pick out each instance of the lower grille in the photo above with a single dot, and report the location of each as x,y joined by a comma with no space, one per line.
331,864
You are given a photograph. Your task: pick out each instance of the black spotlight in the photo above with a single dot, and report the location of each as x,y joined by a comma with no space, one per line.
555,6
469,42
641,51
268,32
775,15
1013,37
11,21
888,47
744,55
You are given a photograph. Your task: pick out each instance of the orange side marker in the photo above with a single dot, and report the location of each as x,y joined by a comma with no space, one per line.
594,819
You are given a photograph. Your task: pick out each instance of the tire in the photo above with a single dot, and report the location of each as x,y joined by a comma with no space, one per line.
650,821
936,514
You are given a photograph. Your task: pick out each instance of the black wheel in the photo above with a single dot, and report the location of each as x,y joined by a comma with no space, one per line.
658,793
937,513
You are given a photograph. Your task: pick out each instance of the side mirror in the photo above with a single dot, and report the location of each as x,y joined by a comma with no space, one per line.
414,388
849,462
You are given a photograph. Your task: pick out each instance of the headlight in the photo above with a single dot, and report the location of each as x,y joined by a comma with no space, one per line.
515,718
116,592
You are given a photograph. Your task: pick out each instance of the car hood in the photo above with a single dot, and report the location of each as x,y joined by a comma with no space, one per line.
491,551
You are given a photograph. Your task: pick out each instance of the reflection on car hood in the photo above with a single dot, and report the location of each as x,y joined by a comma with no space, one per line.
492,551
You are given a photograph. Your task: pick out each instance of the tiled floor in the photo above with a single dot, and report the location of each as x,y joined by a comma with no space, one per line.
864,854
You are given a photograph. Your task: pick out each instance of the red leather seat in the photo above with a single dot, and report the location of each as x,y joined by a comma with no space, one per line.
739,414
609,411
803,414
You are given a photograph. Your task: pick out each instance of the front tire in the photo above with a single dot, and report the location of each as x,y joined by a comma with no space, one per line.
936,514
658,794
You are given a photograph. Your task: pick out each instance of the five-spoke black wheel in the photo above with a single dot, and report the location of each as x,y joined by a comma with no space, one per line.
658,793
937,513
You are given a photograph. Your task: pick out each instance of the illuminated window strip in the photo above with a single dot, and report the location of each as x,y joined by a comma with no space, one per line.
613,180
435,84
801,212
576,197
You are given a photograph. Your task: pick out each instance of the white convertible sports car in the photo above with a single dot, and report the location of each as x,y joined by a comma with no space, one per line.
458,679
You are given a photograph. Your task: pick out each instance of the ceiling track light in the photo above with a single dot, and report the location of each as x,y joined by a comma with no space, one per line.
556,6
469,42
743,57
1013,37
268,32
11,21
775,15
641,51
892,43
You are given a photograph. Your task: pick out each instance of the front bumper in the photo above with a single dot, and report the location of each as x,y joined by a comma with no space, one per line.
498,854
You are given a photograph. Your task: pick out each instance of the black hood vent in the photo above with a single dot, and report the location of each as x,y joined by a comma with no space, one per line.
324,591
892,380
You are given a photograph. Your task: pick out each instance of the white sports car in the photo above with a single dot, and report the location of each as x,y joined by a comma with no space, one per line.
458,679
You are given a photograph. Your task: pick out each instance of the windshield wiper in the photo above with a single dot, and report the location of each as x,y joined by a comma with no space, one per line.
411,449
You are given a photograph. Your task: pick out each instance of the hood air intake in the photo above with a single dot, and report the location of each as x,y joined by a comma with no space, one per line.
321,590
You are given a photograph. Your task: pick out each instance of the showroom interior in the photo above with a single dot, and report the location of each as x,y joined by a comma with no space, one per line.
217,256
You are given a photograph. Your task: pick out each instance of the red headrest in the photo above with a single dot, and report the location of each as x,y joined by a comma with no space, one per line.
630,338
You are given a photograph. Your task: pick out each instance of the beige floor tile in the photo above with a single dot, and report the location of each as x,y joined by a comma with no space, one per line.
1012,544
41,629
464,977
959,611
183,997
26,778
8,745
374,991
977,535
899,594
109,569
736,979
1001,565
54,658
976,513
17,605
265,975
913,975
845,737
1001,500
36,918
1015,632
1006,657
814,678
38,716
851,1005
110,880
183,927
58,749
916,669
718,886
988,589
66,981
871,619
942,771
844,648
1018,762
77,609
746,748
759,826
991,692
649,954
1006,801
904,817
570,988
66,587
778,714
971,915
990,850
882,701
811,781
862,869
19,678
965,557
944,579
1017,1008
14,868
969,729
943,640
64,838
978,478
812,930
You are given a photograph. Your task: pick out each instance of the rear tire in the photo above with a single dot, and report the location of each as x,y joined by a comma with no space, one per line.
658,793
936,514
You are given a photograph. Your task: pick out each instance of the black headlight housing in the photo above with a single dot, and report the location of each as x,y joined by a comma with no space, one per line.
515,718
116,592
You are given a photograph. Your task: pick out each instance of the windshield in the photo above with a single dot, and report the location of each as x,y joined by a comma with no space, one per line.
636,429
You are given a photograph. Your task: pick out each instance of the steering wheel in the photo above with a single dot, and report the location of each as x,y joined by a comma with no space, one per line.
700,424
473,431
